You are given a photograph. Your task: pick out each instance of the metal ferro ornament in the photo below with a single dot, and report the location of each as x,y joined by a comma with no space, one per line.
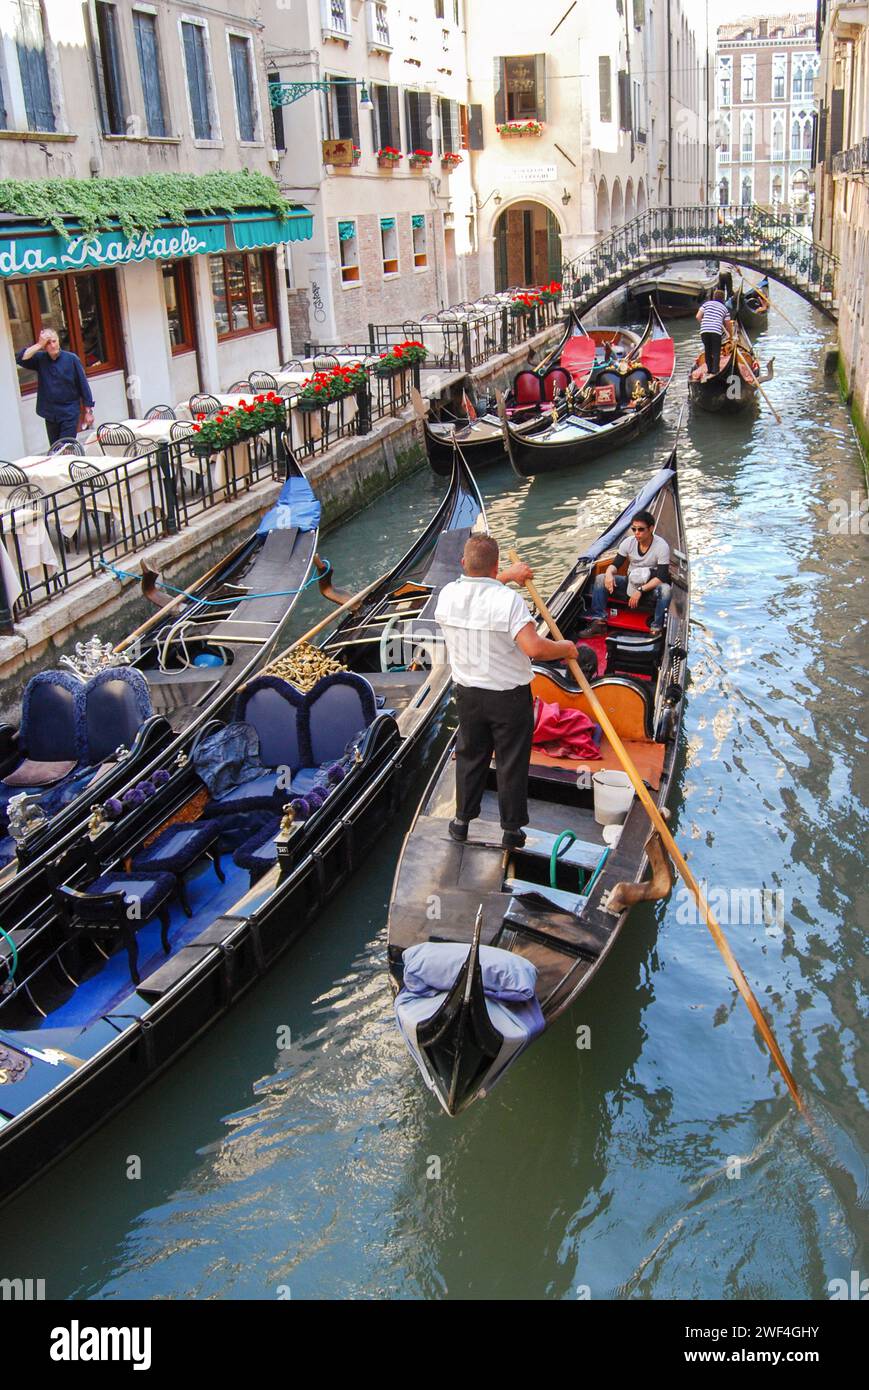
93,656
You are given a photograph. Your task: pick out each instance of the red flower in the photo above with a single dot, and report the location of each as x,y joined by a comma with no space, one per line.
197,428
259,399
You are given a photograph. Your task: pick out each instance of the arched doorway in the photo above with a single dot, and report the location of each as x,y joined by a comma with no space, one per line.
618,206
641,198
602,213
527,246
630,209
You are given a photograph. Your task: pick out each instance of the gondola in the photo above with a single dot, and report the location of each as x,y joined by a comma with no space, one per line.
111,713
752,305
552,910
618,403
733,388
94,1008
674,295
528,401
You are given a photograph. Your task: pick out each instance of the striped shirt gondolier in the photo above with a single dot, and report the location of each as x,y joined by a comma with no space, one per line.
714,314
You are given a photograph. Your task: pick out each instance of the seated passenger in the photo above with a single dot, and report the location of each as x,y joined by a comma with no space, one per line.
648,558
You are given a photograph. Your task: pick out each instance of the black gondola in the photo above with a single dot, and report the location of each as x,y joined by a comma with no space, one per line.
733,388
674,294
752,305
552,910
94,1010
127,711
529,401
622,401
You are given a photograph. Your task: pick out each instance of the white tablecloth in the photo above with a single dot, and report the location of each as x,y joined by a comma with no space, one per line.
26,535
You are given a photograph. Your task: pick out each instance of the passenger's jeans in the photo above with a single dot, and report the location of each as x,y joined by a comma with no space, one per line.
599,598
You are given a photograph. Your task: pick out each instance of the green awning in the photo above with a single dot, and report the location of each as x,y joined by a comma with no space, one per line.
386,223
346,231
252,231
418,219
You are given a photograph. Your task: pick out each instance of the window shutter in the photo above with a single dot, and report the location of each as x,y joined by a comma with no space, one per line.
475,127
604,81
194,57
33,65
145,27
241,77
449,122
500,94
837,120
394,132
277,115
624,101
822,135
347,111
639,13
540,85
113,80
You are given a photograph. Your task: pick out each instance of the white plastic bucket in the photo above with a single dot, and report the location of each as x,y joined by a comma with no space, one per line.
613,794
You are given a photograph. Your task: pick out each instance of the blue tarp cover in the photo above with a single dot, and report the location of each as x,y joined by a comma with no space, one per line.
296,506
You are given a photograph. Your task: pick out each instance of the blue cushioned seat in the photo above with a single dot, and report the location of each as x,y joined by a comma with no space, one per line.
152,890
259,852
117,703
177,848
340,707
275,710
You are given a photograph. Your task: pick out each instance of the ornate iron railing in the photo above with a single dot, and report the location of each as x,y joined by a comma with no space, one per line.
749,235
853,161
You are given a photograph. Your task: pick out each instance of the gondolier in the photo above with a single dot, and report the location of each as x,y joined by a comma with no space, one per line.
491,641
714,320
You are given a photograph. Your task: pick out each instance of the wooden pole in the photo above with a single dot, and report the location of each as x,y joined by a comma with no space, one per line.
336,612
747,367
672,849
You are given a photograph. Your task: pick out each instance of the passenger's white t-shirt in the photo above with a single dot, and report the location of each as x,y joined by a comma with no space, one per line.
642,567
480,619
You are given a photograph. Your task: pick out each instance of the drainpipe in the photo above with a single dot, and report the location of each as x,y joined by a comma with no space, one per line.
630,84
669,109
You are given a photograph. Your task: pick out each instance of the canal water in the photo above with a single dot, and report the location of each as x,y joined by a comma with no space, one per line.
664,1160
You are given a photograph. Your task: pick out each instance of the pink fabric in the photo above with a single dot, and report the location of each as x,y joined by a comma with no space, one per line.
658,356
577,356
563,733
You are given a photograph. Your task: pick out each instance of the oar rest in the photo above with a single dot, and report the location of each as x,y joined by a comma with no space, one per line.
625,701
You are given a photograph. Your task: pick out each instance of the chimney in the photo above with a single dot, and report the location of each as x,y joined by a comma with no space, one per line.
763,29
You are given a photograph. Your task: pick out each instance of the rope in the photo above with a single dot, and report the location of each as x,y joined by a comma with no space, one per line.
14,965
216,602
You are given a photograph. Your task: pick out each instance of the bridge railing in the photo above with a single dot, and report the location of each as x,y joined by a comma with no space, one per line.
719,232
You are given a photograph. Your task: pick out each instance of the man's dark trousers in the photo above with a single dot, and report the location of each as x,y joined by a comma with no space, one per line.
64,428
712,348
499,722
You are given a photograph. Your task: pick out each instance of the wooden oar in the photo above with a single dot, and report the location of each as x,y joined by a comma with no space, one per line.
672,849
747,367
336,612
788,321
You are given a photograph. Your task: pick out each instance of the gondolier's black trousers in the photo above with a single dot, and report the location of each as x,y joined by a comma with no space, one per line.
712,348
499,722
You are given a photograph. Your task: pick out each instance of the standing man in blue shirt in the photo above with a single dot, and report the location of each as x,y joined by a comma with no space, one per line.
63,387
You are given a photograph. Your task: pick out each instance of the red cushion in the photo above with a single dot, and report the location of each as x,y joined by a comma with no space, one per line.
555,380
527,389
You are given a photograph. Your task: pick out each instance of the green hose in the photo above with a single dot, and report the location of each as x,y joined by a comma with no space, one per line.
569,836
14,965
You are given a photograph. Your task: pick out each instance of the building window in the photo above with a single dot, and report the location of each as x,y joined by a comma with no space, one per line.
335,17
196,62
385,120
348,251
29,28
777,189
725,76
464,127
778,135
605,86
724,191
243,294
148,52
779,75
450,125
724,135
804,68
420,245
521,91
111,69
380,22
240,59
747,147
389,245
747,68
420,135
746,190
340,110
82,309
178,298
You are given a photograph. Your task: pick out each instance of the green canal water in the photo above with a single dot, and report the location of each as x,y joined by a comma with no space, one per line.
665,1160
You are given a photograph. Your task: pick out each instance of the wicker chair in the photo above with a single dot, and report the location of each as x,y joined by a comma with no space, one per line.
88,482
204,405
323,364
160,412
11,475
263,381
294,365
26,494
240,388
66,446
181,429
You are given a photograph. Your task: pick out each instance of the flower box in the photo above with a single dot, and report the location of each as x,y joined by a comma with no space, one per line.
519,128
420,159
450,161
387,157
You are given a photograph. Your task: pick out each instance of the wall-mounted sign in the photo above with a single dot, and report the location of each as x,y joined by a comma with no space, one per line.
530,173
338,152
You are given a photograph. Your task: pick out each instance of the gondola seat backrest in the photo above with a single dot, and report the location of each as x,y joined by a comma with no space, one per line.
636,376
556,379
340,706
117,703
527,389
277,711
53,718
616,381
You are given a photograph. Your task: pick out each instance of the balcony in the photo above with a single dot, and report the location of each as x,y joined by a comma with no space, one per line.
853,161
377,27
335,20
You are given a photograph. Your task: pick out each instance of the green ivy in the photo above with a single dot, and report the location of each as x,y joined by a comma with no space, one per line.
138,204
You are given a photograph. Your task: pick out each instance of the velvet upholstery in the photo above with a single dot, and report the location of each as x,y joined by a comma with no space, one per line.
340,706
273,707
53,718
152,890
117,703
177,847
527,389
556,379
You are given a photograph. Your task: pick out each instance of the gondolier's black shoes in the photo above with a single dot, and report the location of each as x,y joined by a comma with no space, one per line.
595,628
513,839
458,830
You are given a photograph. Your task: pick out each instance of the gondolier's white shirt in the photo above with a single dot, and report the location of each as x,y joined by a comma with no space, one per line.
480,619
